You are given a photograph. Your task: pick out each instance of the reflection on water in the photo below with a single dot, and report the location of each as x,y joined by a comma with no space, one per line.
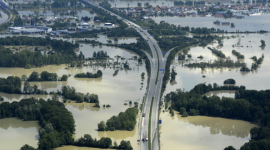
17,97
15,133
78,148
202,133
221,93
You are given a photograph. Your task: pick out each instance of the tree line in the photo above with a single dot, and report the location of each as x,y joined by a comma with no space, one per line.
124,121
62,52
100,54
216,64
238,55
249,105
45,76
217,52
70,93
104,142
89,75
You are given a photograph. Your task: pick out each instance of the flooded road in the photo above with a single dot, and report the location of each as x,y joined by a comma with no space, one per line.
15,133
202,133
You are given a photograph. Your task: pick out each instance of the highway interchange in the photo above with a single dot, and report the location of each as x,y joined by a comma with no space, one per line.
157,62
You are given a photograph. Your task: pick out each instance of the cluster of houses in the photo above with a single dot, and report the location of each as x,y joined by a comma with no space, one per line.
192,11
43,25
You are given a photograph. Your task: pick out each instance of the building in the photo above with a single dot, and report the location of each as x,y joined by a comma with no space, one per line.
46,29
109,25
30,29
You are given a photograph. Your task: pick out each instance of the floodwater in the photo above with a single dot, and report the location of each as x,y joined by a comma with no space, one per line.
202,133
18,97
187,78
57,13
249,23
126,86
79,148
221,93
18,133
3,18
87,117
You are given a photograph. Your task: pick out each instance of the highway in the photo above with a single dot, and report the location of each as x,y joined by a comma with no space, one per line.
157,62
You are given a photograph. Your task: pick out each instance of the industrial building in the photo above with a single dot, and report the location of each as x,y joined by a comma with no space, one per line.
30,29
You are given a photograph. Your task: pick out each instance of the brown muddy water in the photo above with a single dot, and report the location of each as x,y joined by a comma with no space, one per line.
202,133
126,86
15,133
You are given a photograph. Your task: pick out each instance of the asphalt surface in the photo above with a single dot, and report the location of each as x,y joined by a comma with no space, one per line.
157,62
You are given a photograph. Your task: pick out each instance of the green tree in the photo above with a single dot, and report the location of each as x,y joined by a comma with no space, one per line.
101,126
229,148
27,147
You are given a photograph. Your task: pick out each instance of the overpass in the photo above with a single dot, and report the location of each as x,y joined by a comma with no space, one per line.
157,62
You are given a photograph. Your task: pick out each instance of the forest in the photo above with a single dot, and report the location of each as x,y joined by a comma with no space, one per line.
89,75
56,122
124,121
248,105
10,85
62,52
